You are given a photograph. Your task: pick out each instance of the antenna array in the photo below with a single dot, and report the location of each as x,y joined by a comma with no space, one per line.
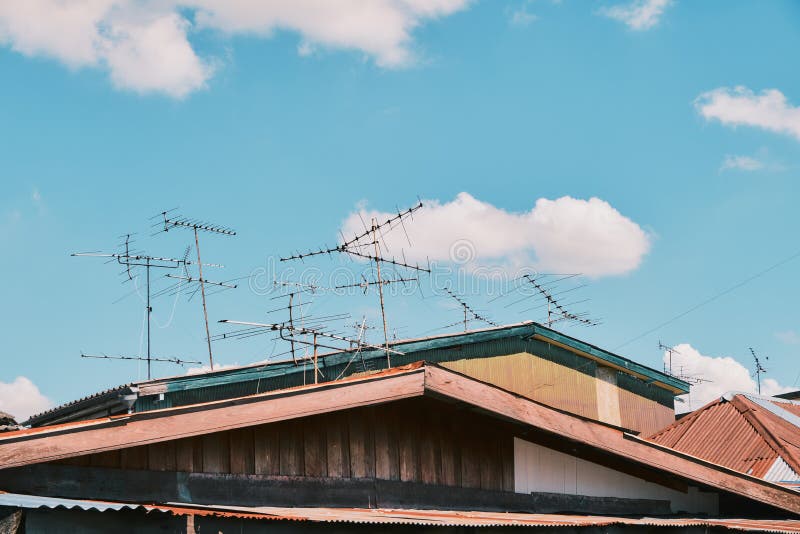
170,222
556,312
295,334
368,245
469,311
680,375
130,259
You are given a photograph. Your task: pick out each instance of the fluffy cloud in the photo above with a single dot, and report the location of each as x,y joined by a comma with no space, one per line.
741,163
740,106
638,15
564,235
21,398
144,44
723,374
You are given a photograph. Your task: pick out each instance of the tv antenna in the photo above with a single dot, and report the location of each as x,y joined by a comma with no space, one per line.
556,311
367,245
177,361
130,259
759,369
469,313
170,222
314,333
670,350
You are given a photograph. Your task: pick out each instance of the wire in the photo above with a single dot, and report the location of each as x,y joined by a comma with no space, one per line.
713,298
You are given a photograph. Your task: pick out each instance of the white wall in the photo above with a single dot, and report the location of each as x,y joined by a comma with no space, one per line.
540,469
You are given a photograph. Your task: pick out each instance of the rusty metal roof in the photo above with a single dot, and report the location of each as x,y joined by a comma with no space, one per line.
384,516
752,434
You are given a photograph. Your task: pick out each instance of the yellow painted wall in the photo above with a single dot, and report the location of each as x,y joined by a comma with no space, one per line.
568,389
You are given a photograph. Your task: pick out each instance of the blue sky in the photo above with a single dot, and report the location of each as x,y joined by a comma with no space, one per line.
680,117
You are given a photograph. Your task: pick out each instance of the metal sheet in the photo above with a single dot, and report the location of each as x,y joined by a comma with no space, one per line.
400,517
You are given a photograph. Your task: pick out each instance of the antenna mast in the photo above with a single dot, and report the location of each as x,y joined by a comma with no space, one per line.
759,369
195,225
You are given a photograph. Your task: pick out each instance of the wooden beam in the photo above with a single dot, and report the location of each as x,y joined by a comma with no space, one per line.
22,448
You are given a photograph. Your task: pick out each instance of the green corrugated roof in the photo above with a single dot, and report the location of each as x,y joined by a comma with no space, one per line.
530,337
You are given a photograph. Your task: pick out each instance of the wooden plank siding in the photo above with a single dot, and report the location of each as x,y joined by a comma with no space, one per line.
416,440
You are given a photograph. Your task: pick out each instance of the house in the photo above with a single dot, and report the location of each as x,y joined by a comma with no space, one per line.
451,441
752,434
526,358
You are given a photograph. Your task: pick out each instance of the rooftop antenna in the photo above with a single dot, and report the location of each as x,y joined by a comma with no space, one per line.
315,333
670,350
759,369
555,311
693,379
367,245
129,259
469,313
170,222
177,361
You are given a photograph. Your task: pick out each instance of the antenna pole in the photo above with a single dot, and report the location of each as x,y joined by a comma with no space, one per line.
149,311
203,294
759,369
380,290
291,324
316,371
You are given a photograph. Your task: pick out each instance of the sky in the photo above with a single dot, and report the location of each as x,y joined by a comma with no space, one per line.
653,146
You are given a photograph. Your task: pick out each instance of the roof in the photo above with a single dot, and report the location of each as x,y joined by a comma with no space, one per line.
257,378
752,434
104,402
31,446
383,516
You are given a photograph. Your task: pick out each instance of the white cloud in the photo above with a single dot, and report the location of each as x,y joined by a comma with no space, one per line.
740,106
565,235
21,398
723,374
638,15
207,369
741,163
145,44
790,337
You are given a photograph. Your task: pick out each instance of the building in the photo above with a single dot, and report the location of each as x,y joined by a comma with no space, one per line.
527,358
752,434
456,440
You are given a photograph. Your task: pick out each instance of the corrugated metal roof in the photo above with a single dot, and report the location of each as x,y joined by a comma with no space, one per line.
781,472
93,401
752,434
382,516
18,500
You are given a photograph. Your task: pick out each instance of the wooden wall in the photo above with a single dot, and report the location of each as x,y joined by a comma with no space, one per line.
536,378
575,390
416,440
